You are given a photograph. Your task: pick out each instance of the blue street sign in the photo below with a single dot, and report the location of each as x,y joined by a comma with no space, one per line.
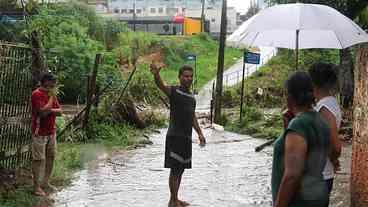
191,57
252,58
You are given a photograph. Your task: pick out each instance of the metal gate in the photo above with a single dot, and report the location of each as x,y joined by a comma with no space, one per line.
15,107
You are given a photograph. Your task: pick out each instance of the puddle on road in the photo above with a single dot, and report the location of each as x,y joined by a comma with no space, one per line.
227,172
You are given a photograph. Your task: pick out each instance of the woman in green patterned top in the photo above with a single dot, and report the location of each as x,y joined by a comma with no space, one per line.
300,152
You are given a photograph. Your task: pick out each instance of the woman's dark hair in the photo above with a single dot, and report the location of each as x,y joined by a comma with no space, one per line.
299,87
48,77
185,68
323,76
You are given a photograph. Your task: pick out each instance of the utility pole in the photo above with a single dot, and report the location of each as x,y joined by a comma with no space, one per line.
203,19
134,15
220,66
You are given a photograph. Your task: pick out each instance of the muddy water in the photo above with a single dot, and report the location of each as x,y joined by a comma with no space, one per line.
226,173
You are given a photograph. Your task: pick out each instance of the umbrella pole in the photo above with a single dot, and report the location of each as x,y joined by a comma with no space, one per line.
297,50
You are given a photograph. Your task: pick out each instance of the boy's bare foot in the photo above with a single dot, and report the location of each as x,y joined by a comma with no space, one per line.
184,203
175,204
39,192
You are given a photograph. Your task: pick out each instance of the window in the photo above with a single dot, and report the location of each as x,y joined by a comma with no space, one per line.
172,10
213,20
160,10
153,10
138,11
131,11
124,11
116,11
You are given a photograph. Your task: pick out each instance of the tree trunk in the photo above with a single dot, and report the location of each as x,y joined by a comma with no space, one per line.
346,78
38,66
359,174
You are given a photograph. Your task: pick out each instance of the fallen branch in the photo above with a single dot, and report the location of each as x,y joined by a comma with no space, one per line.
164,102
79,115
262,146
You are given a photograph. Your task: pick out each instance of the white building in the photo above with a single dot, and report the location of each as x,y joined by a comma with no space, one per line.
169,8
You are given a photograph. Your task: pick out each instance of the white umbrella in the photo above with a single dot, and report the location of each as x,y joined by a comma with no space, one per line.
299,26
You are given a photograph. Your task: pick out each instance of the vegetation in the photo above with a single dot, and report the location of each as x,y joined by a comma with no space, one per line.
259,98
71,35
357,11
350,8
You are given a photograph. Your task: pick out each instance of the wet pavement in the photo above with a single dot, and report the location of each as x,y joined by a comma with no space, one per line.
227,172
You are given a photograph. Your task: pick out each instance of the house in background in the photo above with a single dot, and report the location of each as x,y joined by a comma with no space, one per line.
160,16
101,6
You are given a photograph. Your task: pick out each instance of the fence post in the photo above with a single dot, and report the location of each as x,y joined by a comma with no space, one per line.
242,95
91,89
212,101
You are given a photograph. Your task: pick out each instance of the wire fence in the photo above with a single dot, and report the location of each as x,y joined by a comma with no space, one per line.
15,109
235,77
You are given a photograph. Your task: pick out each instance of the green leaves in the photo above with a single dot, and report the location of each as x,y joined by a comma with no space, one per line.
350,8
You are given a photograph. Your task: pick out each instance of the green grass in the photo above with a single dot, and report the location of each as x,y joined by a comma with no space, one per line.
174,50
70,158
270,78
22,197
206,51
256,122
74,155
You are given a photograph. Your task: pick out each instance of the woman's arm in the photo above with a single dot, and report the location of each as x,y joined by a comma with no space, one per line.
295,156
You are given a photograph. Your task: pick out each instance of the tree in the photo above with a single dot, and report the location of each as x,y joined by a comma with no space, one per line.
220,64
355,10
362,19
359,175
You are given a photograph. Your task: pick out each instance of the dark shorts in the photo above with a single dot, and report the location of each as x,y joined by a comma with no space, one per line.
178,152
329,184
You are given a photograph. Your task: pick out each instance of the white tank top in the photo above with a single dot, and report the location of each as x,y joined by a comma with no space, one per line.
330,103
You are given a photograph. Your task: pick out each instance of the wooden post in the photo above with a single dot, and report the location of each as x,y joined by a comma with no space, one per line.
242,91
220,66
91,89
203,19
212,101
134,16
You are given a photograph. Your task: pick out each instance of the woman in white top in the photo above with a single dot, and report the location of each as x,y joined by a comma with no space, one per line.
324,79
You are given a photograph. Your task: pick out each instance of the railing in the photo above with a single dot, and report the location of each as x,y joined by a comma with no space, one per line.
237,75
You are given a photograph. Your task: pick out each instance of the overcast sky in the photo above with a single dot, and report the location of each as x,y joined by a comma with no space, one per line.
240,5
